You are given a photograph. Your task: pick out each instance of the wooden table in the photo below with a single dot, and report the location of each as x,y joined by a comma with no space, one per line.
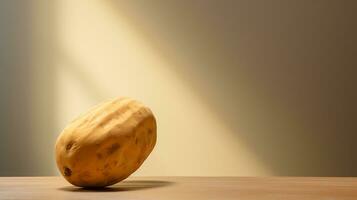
185,188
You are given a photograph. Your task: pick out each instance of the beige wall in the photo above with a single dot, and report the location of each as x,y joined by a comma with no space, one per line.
238,87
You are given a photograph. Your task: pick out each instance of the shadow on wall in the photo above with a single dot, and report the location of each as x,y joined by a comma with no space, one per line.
26,103
281,72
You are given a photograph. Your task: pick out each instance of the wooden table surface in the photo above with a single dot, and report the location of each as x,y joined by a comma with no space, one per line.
185,188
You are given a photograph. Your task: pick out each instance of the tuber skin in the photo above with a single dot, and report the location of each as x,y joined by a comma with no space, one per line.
107,144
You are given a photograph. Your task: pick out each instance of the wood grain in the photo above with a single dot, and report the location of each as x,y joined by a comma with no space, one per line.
186,188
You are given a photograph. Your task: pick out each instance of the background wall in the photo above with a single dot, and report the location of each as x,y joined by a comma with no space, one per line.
238,87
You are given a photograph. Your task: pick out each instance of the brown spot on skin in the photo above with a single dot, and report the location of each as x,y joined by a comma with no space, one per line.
106,166
69,145
105,173
67,171
113,148
150,131
139,161
99,156
112,181
115,163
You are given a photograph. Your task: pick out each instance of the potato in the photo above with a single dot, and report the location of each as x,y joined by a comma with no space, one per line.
107,144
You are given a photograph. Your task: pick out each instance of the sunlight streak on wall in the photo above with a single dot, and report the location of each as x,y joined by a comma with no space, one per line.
100,55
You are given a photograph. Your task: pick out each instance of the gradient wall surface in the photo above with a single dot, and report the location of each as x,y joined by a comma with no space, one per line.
238,87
